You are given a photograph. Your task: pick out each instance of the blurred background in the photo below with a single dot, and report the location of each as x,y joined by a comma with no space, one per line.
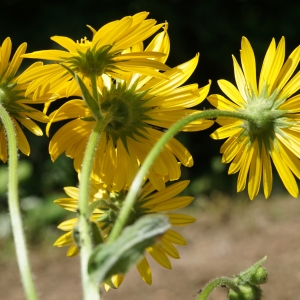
214,28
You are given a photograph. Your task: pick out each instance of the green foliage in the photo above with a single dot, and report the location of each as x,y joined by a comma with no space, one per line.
118,257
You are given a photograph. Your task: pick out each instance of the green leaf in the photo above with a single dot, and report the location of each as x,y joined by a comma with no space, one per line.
87,97
128,249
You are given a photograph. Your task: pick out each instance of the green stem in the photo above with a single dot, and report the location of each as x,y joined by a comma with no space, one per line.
215,283
90,288
14,207
139,178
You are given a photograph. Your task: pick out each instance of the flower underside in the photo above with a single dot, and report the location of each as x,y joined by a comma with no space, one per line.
94,62
266,118
125,110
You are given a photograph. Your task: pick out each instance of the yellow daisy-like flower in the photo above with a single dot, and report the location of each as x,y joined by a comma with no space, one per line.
140,110
105,54
13,99
149,202
270,131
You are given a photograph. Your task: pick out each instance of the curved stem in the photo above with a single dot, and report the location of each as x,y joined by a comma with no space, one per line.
90,288
215,283
139,178
14,207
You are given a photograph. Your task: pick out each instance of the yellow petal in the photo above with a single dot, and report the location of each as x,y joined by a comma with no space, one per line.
174,237
246,160
3,145
284,172
16,61
267,172
222,103
168,192
290,139
267,65
290,159
231,91
56,55
172,164
169,249
64,240
68,225
117,280
144,270
175,147
238,160
231,149
291,87
159,256
65,42
292,104
140,33
249,64
227,131
5,55
180,219
255,172
22,140
171,204
121,161
276,66
73,250
160,43
176,77
30,125
287,70
67,203
240,79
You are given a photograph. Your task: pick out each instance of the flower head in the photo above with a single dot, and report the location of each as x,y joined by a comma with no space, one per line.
269,130
12,97
139,109
106,53
108,204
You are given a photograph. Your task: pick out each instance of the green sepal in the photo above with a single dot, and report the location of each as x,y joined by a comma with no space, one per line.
87,97
246,275
128,249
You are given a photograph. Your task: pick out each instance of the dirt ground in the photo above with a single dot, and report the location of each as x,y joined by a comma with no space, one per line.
228,237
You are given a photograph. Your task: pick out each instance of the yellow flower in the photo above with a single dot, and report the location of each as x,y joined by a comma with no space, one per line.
140,108
149,202
12,97
106,53
271,129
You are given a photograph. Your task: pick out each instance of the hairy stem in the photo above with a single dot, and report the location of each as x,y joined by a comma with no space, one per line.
14,207
138,180
215,283
90,288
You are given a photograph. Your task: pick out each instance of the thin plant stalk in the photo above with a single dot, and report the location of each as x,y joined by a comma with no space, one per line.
228,282
154,152
90,287
14,207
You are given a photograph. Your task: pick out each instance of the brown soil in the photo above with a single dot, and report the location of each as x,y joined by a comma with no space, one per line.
228,237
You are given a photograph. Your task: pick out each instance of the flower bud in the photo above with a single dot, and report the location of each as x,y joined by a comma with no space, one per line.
247,291
259,277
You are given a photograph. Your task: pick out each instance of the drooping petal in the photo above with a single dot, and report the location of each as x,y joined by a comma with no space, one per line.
144,270
255,172
284,173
